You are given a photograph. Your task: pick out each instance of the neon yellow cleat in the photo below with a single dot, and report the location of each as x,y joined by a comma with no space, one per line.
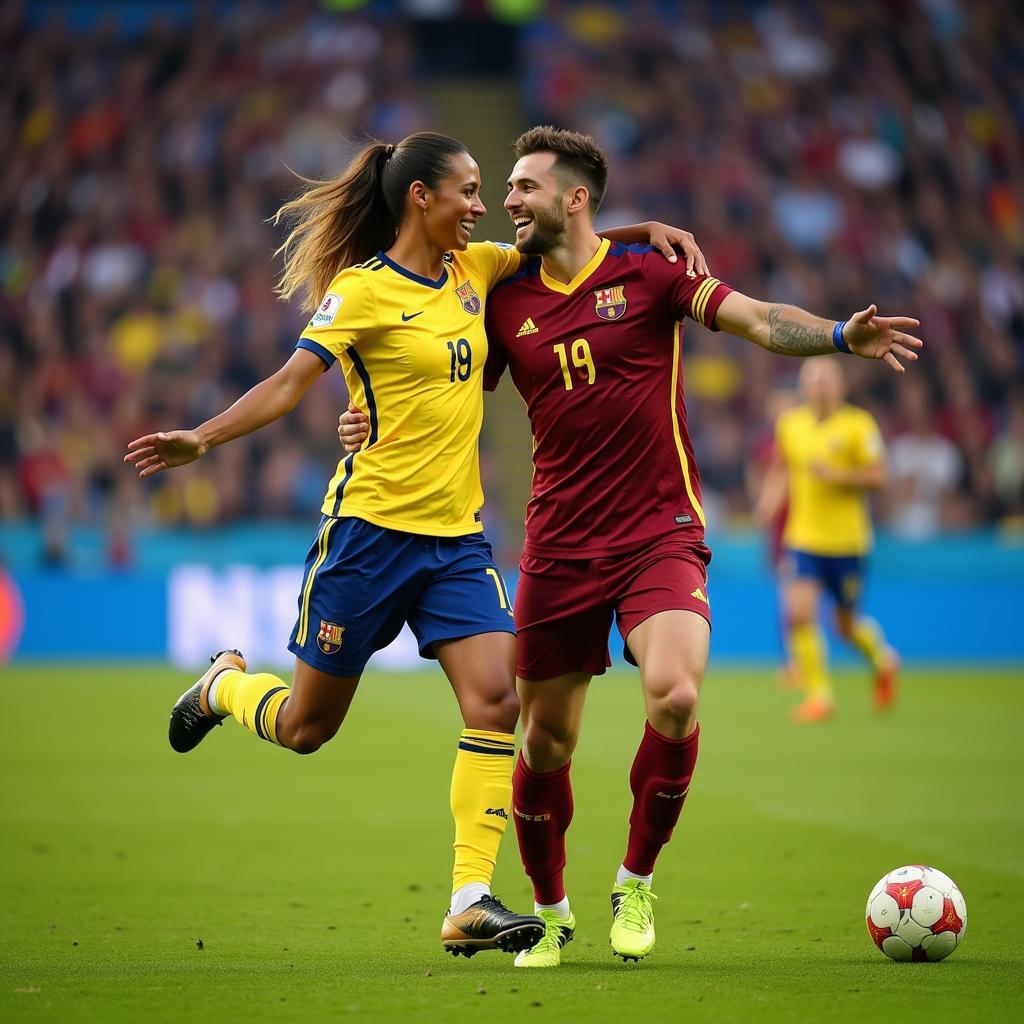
548,952
632,935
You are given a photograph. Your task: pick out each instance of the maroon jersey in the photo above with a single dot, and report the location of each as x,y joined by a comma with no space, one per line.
597,362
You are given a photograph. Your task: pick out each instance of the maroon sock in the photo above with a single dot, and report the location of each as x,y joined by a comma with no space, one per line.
659,779
542,809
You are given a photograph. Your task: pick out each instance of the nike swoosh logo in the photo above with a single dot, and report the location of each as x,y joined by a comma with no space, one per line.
411,316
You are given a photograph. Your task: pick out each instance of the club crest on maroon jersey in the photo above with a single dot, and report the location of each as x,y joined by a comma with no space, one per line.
611,302
469,298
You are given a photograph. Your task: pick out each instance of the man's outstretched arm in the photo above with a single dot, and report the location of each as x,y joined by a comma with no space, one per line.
792,331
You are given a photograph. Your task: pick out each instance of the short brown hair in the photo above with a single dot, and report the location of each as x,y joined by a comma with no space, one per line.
578,157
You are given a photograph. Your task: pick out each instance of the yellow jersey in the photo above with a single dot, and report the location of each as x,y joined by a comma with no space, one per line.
826,518
413,351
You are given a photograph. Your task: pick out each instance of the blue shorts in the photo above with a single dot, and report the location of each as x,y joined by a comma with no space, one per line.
841,575
362,583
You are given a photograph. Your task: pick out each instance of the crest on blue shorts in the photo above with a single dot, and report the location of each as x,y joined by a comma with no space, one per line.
611,302
469,298
329,637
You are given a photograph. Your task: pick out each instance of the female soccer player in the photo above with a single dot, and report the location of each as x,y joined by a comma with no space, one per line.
382,258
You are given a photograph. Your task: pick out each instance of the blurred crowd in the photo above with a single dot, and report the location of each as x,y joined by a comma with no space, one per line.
136,269
828,155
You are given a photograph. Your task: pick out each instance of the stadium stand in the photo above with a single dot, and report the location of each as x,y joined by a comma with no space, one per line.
819,159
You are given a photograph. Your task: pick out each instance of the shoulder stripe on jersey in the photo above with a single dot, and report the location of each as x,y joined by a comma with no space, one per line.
684,462
321,553
699,303
695,301
364,376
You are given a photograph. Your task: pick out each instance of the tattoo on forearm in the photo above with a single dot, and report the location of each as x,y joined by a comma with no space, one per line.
795,337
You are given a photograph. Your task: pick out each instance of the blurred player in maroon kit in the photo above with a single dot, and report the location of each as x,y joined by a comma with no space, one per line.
590,332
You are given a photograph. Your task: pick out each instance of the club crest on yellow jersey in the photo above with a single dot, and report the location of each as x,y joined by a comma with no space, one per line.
469,298
330,636
611,302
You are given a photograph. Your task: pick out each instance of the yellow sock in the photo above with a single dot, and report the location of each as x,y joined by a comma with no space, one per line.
808,647
254,700
869,639
480,799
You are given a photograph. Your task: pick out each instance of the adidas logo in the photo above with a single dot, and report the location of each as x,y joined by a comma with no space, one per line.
699,594
529,327
499,812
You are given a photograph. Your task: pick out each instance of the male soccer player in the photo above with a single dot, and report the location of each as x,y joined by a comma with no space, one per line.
829,455
590,331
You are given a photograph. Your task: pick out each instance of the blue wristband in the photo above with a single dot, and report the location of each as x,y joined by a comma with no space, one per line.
837,337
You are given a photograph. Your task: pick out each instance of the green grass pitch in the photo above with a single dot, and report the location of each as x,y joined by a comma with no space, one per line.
316,885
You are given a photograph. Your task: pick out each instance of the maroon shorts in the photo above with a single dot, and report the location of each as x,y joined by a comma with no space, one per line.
564,607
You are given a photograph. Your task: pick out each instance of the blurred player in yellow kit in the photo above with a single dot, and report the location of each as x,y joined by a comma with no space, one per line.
829,456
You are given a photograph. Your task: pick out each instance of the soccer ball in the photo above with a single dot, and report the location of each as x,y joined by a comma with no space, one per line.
916,913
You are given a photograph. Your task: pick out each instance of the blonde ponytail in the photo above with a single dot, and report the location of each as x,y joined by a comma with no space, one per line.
337,224
334,225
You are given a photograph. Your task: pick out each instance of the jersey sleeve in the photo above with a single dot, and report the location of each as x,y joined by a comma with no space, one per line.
345,314
696,297
869,448
494,261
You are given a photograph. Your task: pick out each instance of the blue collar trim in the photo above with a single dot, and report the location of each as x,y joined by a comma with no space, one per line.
429,282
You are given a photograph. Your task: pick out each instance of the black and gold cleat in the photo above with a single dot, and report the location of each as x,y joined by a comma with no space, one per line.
191,717
489,924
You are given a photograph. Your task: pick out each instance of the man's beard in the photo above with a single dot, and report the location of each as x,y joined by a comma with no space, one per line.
547,234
